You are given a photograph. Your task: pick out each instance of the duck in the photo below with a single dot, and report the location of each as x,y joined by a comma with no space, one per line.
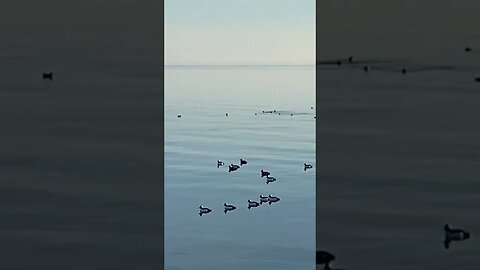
252,204
404,70
307,166
264,173
339,63
270,179
226,114
311,108
468,49
272,199
233,167
243,162
204,210
229,207
263,199
47,76
220,163
350,59
366,68
454,235
324,257
179,116
477,79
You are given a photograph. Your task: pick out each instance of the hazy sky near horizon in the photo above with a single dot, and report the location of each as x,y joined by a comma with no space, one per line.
239,32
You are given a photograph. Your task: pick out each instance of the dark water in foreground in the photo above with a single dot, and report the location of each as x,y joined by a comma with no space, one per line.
277,236
399,158
79,173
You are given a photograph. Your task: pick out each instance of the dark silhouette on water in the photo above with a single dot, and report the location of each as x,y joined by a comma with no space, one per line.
339,63
220,163
47,76
226,114
228,207
307,166
324,257
179,116
233,167
365,68
404,70
252,204
454,235
468,49
271,179
350,59
263,199
272,199
204,210
264,173
243,162
477,79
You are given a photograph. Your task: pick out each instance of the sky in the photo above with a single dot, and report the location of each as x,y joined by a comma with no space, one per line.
209,32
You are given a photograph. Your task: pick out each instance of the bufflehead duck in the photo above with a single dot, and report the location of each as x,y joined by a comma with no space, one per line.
264,173
272,199
252,204
242,162
220,163
263,199
204,210
307,166
233,167
229,207
454,235
270,179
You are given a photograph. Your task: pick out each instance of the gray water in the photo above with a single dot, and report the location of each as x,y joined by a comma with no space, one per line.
276,236
398,159
79,163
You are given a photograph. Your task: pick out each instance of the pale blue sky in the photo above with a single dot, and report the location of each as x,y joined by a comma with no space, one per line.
239,32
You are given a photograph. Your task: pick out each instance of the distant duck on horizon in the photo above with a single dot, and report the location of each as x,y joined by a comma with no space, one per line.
264,173
47,76
252,204
204,210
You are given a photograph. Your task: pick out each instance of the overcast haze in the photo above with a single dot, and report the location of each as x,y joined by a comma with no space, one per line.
239,32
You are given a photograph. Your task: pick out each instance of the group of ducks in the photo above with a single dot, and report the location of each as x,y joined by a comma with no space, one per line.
279,113
451,234
263,199
366,68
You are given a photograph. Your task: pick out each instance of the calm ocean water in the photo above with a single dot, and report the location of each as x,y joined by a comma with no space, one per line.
277,236
79,173
399,158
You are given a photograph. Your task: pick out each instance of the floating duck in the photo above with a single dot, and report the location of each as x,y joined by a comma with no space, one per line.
179,116
404,71
264,173
477,79
468,49
263,199
220,163
228,207
454,235
270,179
233,167
272,199
226,114
243,162
252,204
204,210
307,166
365,68
350,59
47,76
